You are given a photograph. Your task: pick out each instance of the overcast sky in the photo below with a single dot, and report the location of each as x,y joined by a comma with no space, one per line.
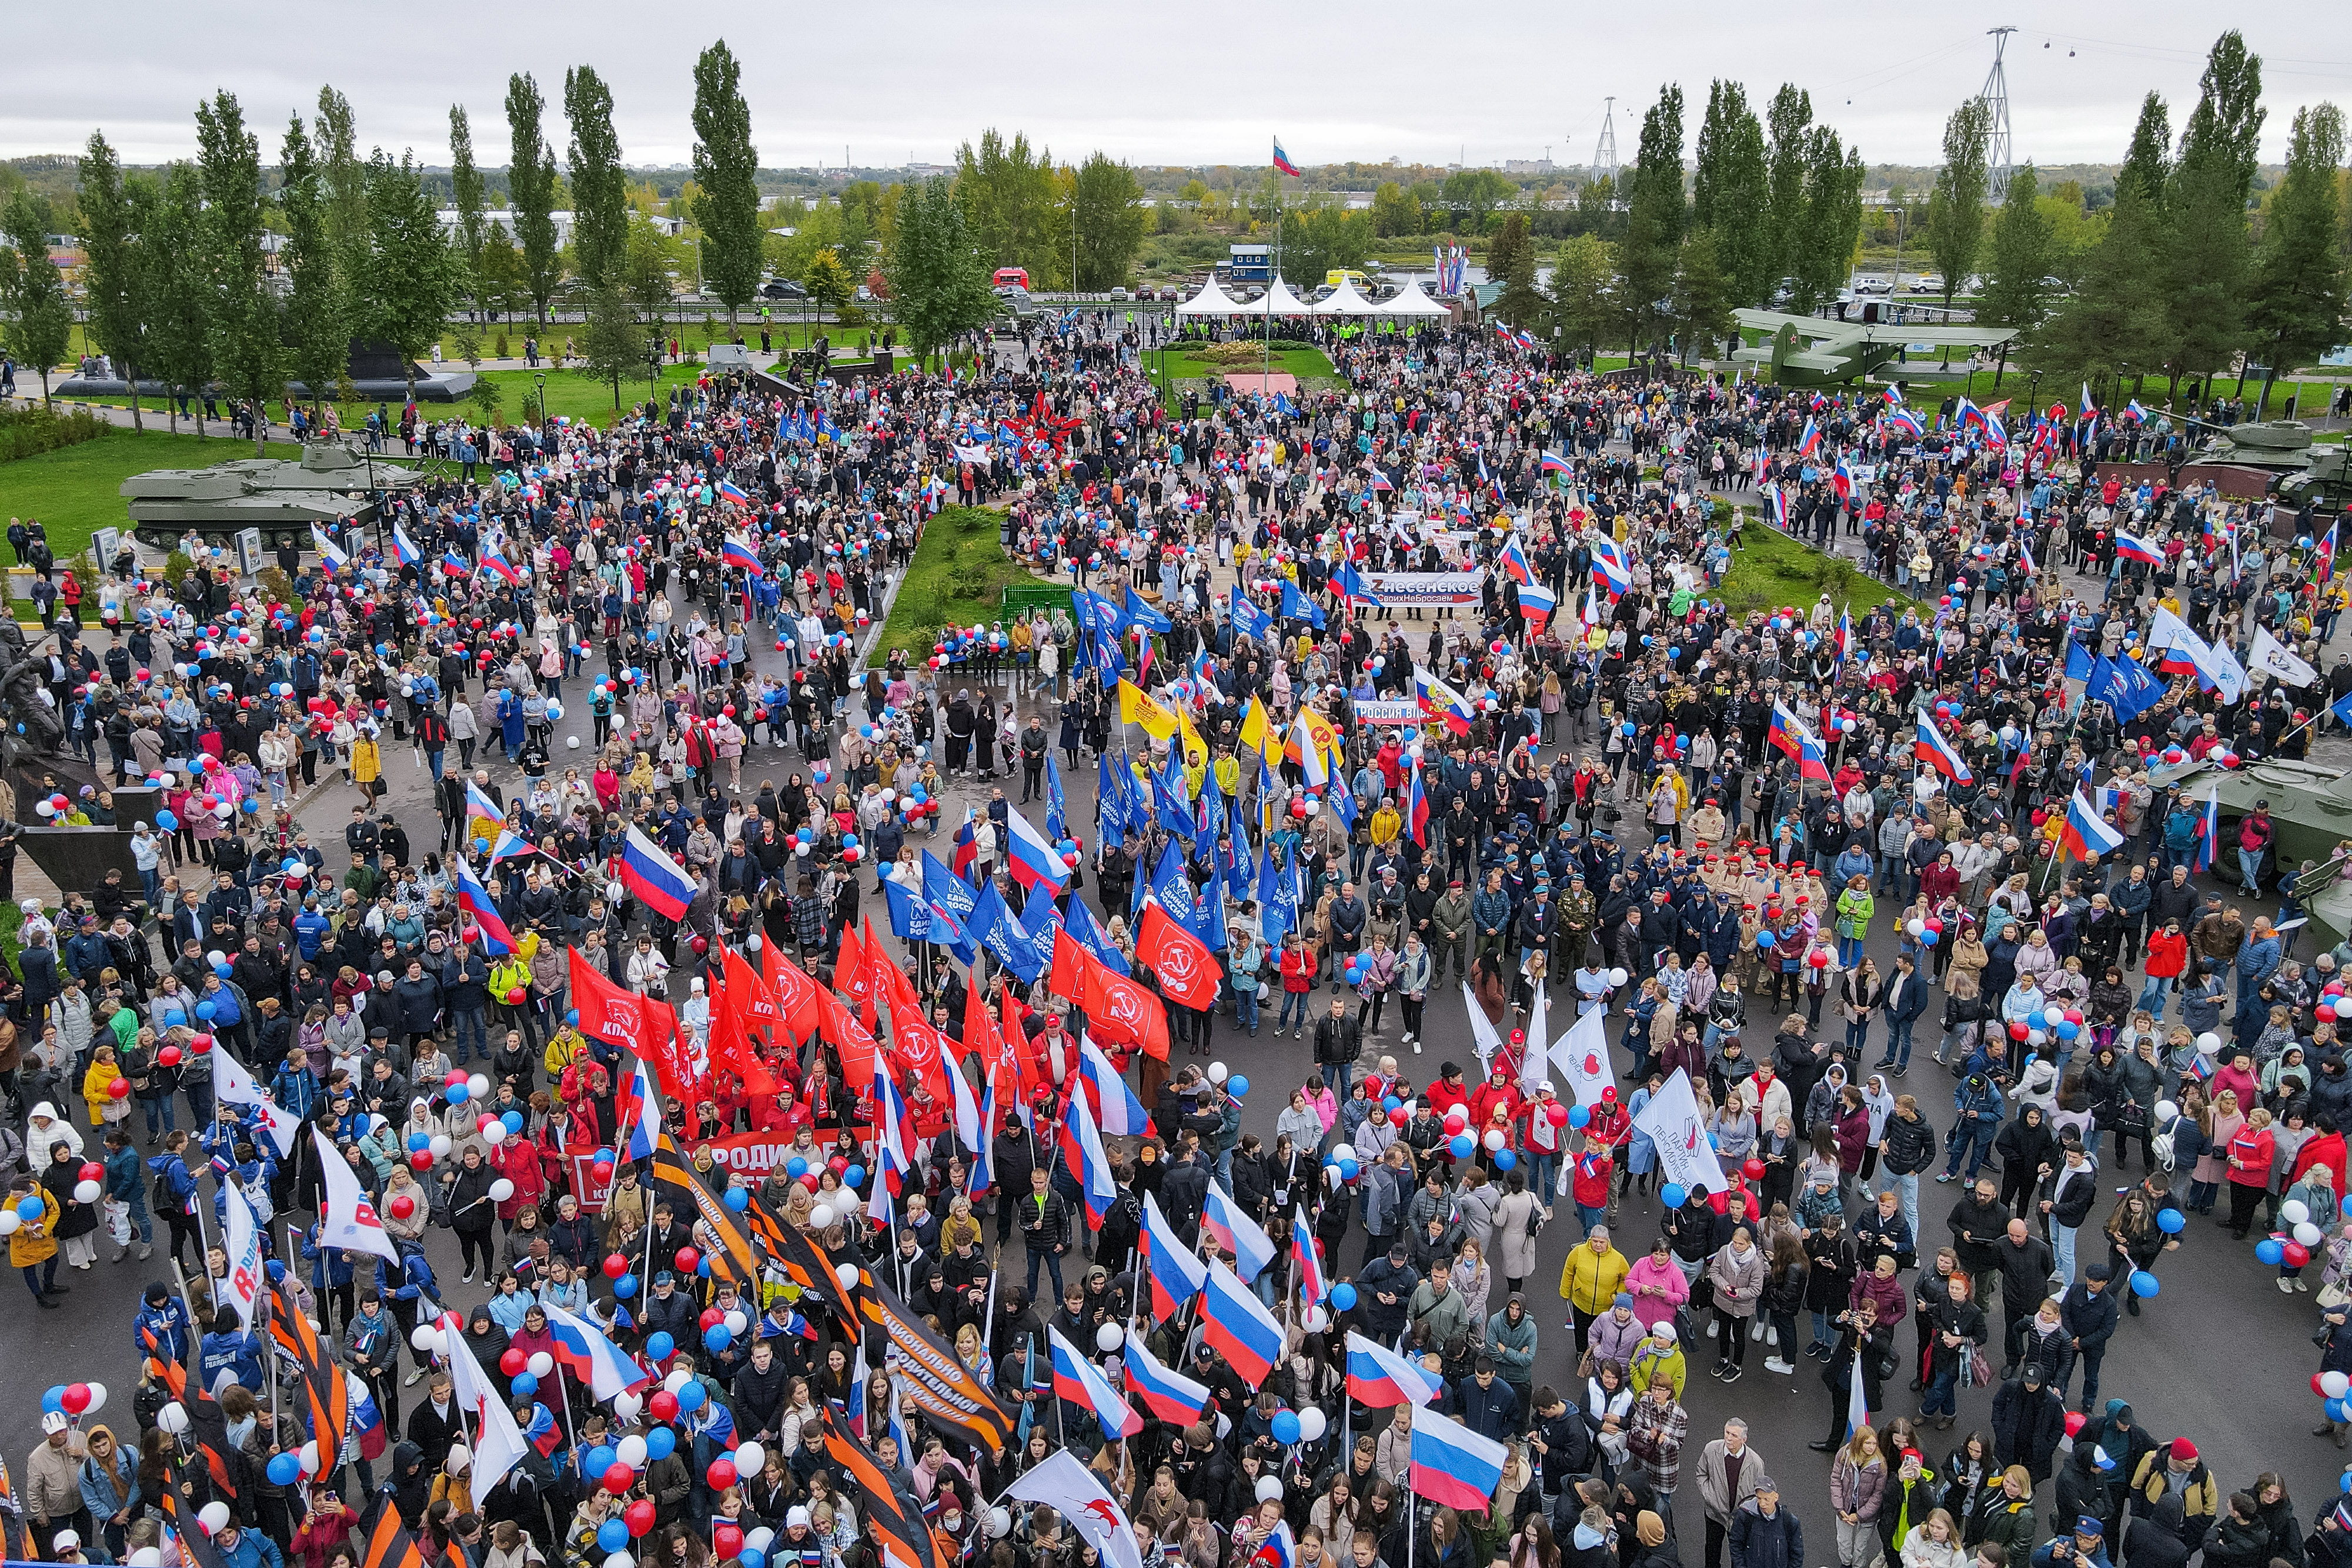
896,80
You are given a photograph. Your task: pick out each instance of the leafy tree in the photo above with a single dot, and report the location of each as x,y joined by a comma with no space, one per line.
2024,255
243,317
1511,260
1596,207
1109,201
2147,163
828,282
2205,276
1475,193
466,185
2299,297
1653,230
2114,320
2225,129
1008,196
1396,213
173,255
415,273
315,324
116,215
613,345
1788,118
1956,210
1731,193
500,281
1702,309
1833,223
335,140
939,278
600,201
40,328
647,262
1582,277
531,186
726,167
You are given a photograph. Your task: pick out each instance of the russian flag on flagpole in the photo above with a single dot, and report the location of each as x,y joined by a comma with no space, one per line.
1170,1396
1453,1464
1031,856
405,548
1379,1377
1930,748
640,1112
732,492
1609,560
2208,829
476,901
1177,1272
1790,737
336,559
1241,1330
1116,1110
1314,1285
654,877
1241,1236
497,561
2133,548
1442,701
1081,1383
582,1349
1082,1147
2084,834
737,552
1811,440
1536,604
1416,808
480,807
1857,1400
1514,559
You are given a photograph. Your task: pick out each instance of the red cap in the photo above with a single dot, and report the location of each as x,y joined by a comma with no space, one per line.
2183,1450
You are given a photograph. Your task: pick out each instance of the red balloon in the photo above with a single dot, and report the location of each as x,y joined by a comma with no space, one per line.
119,1090
619,1479
2298,1254
168,1057
837,1165
602,1171
712,1317
92,1171
517,996
514,1362
1556,1114
721,1474
402,1206
639,1516
422,1160
2075,1418
1397,1118
687,1259
1818,959
663,1406
2318,1387
2019,1029
202,1044
1753,1170
457,1076
76,1398
701,944
616,1266
727,1539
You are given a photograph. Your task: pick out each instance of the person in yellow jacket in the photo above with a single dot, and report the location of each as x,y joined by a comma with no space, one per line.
103,1106
1590,1279
33,1243
367,762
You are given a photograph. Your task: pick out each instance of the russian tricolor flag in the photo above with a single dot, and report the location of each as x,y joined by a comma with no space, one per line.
1442,701
1237,1327
454,564
1810,440
1031,857
731,491
2131,547
1239,1236
1116,1110
2209,831
582,1349
654,877
499,563
1790,737
1514,559
1082,1147
1930,748
1416,808
403,547
2084,834
1178,1273
1379,1377
737,552
1314,1285
480,807
1609,560
1170,1396
475,899
1453,1464
1536,604
1081,1383
335,559
639,1109
1553,463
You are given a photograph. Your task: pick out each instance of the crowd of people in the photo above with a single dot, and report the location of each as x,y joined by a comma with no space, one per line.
1569,765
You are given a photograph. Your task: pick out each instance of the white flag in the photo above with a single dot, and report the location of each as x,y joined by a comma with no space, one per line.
1582,1055
346,1218
1532,1059
1483,1037
497,1441
243,1243
1063,1483
2216,666
2272,657
1671,1119
233,1085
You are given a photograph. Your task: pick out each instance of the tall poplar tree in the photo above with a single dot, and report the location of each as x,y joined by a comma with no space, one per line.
315,324
2205,277
243,317
1731,192
726,171
1956,207
1787,120
1655,218
2298,303
40,327
599,187
412,261
173,256
465,190
530,184
116,213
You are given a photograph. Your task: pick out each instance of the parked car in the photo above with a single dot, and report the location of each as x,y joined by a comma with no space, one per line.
782,288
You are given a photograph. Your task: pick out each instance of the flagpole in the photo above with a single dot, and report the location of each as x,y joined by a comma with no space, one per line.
564,1402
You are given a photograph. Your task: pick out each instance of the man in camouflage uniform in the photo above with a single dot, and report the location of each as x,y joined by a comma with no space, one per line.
1450,932
1577,912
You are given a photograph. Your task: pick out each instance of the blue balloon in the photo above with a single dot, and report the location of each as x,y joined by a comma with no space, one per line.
2066,1028
571,1021
1579,1116
1237,1086
626,1286
1348,1170
2347,1213
2344,1482
1928,937
1286,1428
702,1269
525,1386
29,1208
1504,1159
2037,1019
1390,1102
2144,1283
205,1009
55,1400
613,1535
737,1199
419,1142
661,1443
512,1121
2269,1251
284,1470
168,822
718,1337
2171,1221
796,1168
1462,1145
849,841
602,1459
750,1557
659,1344
1766,940
457,1094
1343,1296
1672,1195
690,1397
2337,1409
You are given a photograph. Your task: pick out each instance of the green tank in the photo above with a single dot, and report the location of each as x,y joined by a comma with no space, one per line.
279,496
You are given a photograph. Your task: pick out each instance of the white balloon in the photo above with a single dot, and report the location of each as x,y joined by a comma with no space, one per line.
1495,1139
2209,1043
2310,1235
1343,1152
613,892
620,1559
1317,1320
214,1517
751,944
570,743
494,1132
9,1221
1311,1424
146,1557
86,1192
1616,976
426,1338
1000,1523
479,1086
2166,1110
540,1364
311,1457
749,1459
626,1408
1218,1072
2294,1212
1268,1487
847,1273
173,1418
630,1450
821,1217
2335,1383
1109,1337
1916,928
760,1539
440,1145
736,1323
97,1399
501,1190
678,1379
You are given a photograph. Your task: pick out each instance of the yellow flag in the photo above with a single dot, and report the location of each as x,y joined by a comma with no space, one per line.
1136,706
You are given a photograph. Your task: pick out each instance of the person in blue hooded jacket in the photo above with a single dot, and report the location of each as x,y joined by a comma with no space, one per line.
161,1327
171,1170
228,1347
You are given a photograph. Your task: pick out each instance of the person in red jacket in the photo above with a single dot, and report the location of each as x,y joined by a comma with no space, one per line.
1297,980
2250,1152
1497,1090
1588,1184
2167,956
1448,1092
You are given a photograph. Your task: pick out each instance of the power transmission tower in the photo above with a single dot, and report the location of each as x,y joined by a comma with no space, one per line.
1998,154
1604,152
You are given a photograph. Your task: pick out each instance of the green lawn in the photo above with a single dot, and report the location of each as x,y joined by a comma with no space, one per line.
958,578
1770,570
73,490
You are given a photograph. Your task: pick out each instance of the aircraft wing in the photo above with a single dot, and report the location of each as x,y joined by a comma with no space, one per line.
1814,326
1951,337
1829,363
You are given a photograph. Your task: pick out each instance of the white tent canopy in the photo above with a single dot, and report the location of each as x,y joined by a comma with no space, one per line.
1345,301
1212,301
1279,300
1412,302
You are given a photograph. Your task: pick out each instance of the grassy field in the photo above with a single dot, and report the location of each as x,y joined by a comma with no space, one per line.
958,578
1770,570
73,490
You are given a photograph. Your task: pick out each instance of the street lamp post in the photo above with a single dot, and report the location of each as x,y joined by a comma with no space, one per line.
539,383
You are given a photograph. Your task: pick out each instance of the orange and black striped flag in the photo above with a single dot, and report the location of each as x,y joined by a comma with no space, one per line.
16,1530
934,1381
725,1240
196,1548
904,1536
322,1381
808,1264
206,1423
389,1544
